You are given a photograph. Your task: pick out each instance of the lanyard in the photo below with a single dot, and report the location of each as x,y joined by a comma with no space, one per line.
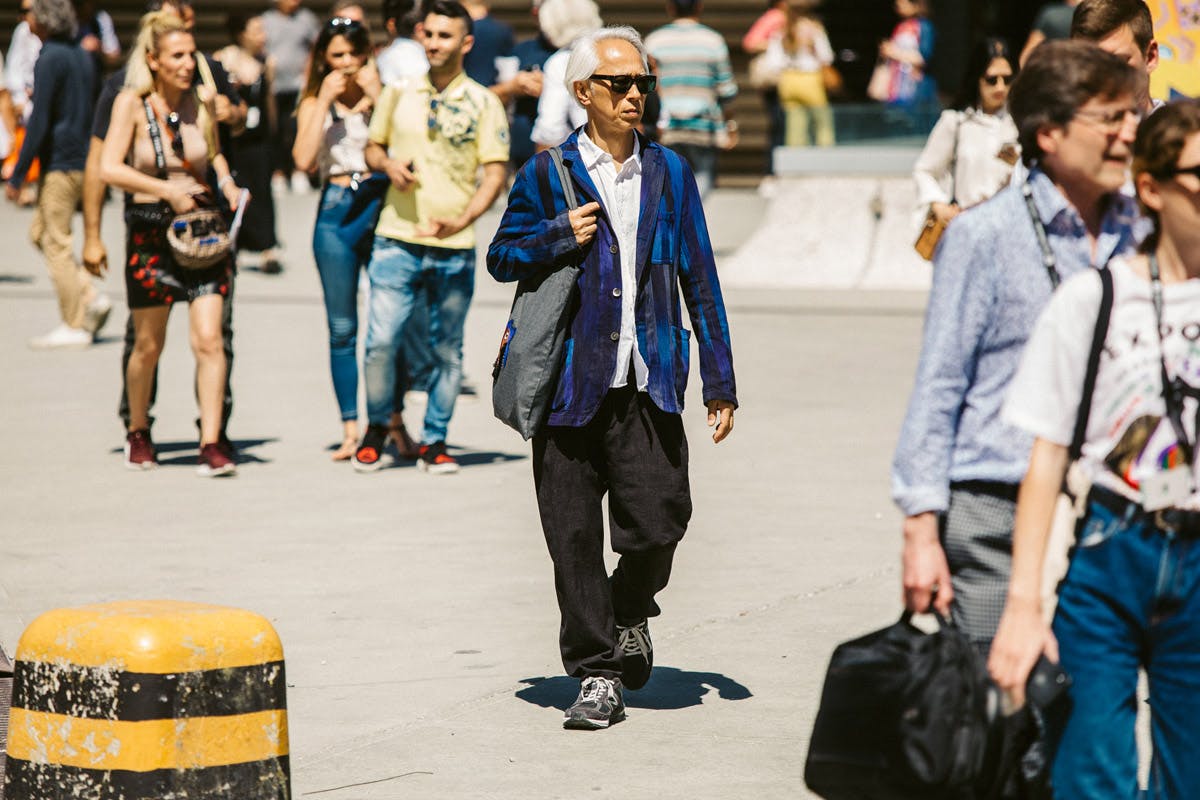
1174,390
1048,259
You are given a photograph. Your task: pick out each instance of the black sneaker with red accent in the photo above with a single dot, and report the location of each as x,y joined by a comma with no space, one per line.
436,461
139,450
369,455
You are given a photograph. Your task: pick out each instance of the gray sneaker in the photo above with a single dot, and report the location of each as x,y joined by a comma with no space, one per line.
599,705
637,654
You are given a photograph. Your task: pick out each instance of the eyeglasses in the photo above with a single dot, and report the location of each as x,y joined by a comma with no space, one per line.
176,139
620,84
434,104
343,22
1112,122
1174,173
992,80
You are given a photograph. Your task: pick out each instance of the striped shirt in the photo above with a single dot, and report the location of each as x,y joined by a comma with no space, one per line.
694,79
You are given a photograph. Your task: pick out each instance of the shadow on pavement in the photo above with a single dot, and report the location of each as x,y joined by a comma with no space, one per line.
6,277
669,689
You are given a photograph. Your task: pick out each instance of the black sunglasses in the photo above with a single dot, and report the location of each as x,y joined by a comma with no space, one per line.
992,80
176,139
343,22
623,83
1184,171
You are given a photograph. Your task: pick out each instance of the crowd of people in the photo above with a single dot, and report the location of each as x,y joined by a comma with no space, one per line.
1030,170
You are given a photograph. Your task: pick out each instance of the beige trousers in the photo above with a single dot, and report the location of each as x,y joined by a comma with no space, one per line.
51,233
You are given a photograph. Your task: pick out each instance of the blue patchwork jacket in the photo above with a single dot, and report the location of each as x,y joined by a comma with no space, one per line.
673,251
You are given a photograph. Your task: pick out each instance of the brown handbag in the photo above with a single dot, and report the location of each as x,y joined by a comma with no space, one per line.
832,79
932,230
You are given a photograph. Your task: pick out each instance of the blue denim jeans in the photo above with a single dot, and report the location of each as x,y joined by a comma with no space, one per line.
342,239
1130,598
399,271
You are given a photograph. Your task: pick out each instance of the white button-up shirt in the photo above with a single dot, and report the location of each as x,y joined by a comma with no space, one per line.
620,189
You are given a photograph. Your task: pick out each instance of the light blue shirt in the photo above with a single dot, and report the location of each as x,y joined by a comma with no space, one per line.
989,286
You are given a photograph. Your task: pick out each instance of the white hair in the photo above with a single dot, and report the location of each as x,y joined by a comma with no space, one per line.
563,21
585,58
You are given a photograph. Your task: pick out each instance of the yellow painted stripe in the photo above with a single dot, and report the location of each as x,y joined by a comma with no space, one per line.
156,636
143,746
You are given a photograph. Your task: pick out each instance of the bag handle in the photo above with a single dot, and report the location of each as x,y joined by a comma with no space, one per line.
564,177
1093,365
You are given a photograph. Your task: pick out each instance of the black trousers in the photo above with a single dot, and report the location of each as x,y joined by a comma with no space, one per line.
637,454
227,341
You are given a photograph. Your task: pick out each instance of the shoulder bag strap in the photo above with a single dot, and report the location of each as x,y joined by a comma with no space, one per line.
564,177
1093,364
954,159
160,158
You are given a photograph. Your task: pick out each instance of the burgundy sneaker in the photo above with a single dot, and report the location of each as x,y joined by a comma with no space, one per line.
214,463
139,450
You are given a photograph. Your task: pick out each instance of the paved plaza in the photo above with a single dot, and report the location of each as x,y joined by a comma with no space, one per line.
417,612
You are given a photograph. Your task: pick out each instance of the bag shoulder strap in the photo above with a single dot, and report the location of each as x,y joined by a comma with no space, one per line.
962,116
160,159
564,177
1093,365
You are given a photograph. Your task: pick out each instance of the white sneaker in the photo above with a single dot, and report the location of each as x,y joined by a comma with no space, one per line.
300,184
64,336
279,185
97,314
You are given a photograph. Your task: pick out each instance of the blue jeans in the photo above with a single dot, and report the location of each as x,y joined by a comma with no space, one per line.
399,271
1130,598
342,239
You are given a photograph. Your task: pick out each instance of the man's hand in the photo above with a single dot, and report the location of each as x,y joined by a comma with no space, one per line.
924,565
223,110
95,256
442,228
583,222
403,177
720,414
11,192
90,43
529,83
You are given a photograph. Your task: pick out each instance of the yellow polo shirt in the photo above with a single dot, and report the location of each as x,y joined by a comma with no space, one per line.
447,135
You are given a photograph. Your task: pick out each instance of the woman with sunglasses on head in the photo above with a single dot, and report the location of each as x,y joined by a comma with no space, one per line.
1131,596
332,123
160,144
971,152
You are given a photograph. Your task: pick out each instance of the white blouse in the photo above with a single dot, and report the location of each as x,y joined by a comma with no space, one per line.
979,171
344,144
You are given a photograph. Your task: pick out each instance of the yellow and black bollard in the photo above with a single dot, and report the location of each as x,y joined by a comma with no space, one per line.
148,699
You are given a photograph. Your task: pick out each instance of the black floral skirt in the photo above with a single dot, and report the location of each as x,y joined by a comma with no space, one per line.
152,278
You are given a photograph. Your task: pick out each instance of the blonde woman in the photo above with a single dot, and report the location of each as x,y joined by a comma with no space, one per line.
158,98
802,50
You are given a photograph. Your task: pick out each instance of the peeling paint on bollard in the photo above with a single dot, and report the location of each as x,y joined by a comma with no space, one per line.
153,699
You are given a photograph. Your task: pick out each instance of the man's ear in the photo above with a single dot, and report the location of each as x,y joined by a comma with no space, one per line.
1151,56
468,43
1048,138
583,93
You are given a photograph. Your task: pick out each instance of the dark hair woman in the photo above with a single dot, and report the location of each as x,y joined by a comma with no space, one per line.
252,71
159,147
334,113
1130,600
971,152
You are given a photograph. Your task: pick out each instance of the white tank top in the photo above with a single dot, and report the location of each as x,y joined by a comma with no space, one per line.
344,144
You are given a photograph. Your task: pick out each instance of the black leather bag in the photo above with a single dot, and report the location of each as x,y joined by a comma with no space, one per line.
904,715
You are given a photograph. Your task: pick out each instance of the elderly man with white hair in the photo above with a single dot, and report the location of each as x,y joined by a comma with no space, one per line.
615,425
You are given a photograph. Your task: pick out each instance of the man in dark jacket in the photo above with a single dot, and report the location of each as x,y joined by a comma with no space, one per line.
615,424
57,133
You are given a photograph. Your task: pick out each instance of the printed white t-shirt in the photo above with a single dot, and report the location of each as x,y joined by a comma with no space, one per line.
1128,436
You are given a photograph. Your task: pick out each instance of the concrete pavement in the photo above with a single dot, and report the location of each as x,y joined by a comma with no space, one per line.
417,612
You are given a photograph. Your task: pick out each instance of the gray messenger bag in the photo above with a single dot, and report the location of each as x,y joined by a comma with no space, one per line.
526,370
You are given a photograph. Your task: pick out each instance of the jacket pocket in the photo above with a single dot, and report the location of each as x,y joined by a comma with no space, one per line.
683,355
565,392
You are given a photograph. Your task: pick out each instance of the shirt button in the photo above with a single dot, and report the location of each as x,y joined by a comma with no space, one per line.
614,336
616,291
612,248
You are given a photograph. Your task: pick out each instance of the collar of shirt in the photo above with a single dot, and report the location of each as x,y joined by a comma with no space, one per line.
453,91
1060,217
593,156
